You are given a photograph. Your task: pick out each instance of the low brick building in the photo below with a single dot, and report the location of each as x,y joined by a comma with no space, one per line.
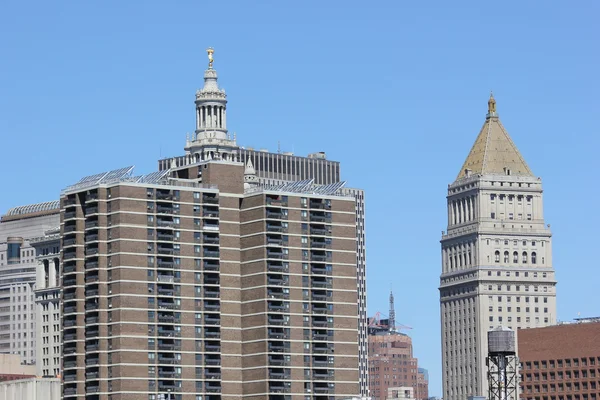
561,362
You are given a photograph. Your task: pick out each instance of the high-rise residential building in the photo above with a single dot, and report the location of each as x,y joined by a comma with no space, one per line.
561,362
47,303
391,360
209,278
18,274
496,257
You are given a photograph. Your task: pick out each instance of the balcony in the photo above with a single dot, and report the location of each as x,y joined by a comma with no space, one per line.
169,344
318,269
91,250
278,333
278,254
320,204
277,294
92,346
91,224
164,195
167,318
167,304
92,320
212,346
322,374
320,308
91,210
279,387
70,377
71,201
320,244
91,264
321,335
69,349
211,212
70,364
321,282
211,253
279,373
91,197
165,250
275,227
321,362
320,256
212,387
322,217
276,280
277,266
167,372
163,263
277,359
69,391
276,213
69,321
210,225
211,360
322,348
274,319
165,222
210,239
169,386
168,332
278,347
276,240
164,290
211,265
212,373
211,279
278,201
165,237
91,278
69,295
69,255
93,360
92,332
323,389
71,281
212,319
165,278
165,209
210,198
91,237
69,242
70,309
70,228
277,306
165,358
212,305
211,292
320,322
69,268
69,336
212,333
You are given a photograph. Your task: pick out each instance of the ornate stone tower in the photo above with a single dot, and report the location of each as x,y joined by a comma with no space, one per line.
210,139
496,257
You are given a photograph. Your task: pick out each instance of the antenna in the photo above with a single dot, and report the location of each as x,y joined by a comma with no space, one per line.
392,315
278,146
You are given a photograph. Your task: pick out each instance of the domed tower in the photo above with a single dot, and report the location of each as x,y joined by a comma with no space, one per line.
211,140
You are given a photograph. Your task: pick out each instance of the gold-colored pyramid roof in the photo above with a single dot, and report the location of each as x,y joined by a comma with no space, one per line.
494,152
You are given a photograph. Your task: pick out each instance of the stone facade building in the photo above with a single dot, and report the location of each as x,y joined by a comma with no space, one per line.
208,279
47,303
561,362
18,265
496,257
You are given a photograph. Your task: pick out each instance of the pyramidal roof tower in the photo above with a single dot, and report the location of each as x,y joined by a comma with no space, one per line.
494,152
211,139
496,257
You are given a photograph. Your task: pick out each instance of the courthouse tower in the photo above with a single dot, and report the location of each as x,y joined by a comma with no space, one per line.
496,257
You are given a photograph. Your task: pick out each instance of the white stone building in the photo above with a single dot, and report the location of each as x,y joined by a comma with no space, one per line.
496,257
47,303
18,273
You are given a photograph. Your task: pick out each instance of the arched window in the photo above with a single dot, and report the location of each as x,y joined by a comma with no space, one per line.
497,256
515,257
506,257
533,258
524,257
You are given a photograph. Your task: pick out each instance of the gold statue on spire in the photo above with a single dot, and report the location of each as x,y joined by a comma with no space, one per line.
491,104
210,52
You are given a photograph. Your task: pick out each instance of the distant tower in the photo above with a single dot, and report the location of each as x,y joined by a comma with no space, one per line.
502,364
392,316
496,257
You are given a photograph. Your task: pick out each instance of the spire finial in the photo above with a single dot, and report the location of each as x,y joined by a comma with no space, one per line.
210,52
491,105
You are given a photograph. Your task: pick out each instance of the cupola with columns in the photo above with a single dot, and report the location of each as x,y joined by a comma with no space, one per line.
211,139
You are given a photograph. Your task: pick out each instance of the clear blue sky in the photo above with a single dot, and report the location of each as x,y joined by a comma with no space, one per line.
395,90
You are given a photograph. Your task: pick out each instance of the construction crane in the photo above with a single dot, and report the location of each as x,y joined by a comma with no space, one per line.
378,323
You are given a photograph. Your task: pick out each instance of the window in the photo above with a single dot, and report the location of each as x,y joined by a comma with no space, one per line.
497,256
533,258
524,257
493,215
506,257
515,257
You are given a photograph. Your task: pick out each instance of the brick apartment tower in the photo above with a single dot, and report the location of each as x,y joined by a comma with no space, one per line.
496,257
205,280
